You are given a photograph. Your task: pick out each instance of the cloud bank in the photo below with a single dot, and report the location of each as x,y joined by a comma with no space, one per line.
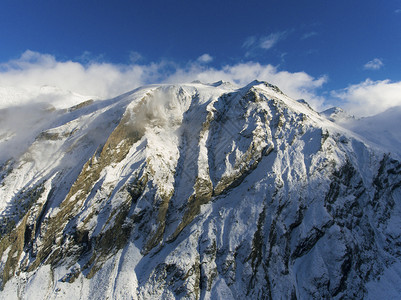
103,80
36,77
35,74
370,97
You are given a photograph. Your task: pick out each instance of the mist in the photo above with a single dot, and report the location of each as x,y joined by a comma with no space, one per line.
20,125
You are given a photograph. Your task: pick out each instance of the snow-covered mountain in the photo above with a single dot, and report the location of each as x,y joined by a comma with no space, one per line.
337,115
196,191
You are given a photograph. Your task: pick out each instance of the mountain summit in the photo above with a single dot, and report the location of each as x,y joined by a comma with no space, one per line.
197,191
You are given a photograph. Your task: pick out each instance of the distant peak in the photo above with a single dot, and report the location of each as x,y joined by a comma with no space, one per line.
337,114
332,110
214,84
221,83
217,83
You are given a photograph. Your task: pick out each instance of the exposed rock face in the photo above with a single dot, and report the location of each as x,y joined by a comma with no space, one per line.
198,191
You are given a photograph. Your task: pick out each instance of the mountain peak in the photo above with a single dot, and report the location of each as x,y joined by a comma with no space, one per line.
264,83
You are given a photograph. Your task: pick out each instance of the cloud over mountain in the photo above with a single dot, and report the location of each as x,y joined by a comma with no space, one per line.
38,77
370,97
104,80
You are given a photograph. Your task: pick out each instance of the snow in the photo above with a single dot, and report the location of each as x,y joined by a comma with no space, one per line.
387,286
278,173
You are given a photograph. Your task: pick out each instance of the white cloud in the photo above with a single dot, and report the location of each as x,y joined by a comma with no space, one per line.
205,58
103,80
374,64
253,43
134,56
271,40
397,11
34,70
308,35
370,97
88,56
250,41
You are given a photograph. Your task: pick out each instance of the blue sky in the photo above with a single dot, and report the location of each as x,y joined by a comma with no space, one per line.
347,45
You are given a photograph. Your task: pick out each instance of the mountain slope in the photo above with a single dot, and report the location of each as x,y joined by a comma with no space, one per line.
198,191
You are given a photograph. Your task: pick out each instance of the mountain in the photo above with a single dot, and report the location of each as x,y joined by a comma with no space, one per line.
337,114
196,191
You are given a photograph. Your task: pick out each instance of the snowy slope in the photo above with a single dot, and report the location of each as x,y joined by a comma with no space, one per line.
383,129
197,191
